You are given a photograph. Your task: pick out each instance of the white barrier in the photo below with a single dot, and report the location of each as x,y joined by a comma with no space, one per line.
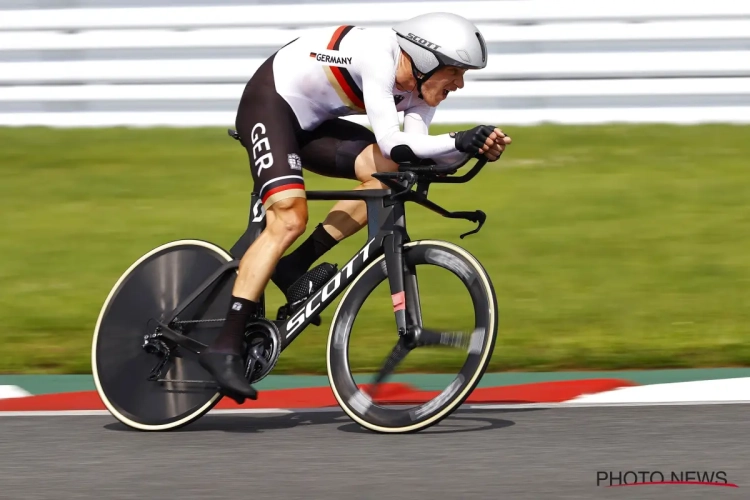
369,13
678,31
662,31
500,66
580,61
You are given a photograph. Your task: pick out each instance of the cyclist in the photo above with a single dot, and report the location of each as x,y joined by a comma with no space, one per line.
289,116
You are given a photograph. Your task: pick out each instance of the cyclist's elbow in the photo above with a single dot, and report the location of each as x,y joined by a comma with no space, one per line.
385,145
390,141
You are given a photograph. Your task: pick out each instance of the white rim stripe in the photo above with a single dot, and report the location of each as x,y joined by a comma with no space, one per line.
99,389
478,268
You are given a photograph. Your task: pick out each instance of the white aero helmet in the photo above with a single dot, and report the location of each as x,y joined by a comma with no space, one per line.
440,39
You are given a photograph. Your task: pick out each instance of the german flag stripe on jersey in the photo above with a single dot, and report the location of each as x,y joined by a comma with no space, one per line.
340,78
338,35
283,192
279,188
348,93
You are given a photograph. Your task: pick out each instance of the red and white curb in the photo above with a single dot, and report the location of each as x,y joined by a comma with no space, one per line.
702,392
731,390
12,391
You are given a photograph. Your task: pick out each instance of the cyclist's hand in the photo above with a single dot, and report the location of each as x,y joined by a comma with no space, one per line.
494,149
482,140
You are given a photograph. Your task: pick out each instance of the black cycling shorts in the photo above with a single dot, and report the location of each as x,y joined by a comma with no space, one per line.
278,148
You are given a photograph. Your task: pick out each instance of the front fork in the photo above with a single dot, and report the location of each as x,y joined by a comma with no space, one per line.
402,279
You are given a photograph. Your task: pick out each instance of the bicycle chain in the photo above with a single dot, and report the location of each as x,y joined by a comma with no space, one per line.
193,321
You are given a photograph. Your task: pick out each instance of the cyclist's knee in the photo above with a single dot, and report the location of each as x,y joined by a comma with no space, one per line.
289,219
371,160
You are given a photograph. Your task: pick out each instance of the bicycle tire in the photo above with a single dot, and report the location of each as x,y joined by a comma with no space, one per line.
356,403
119,363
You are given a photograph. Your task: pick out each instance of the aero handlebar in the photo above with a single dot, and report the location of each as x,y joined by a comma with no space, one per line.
408,162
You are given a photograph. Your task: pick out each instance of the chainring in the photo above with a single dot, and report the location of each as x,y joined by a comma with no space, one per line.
263,348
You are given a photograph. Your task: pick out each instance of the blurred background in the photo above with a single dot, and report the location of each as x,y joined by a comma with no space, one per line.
618,221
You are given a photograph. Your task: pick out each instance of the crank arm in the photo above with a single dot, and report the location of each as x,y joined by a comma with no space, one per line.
207,384
181,340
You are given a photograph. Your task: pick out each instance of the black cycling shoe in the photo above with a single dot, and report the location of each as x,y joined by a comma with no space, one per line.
306,285
310,282
228,369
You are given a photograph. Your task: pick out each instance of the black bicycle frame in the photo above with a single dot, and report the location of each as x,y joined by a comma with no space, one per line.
386,233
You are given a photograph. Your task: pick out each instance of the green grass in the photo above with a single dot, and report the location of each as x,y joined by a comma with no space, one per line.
610,247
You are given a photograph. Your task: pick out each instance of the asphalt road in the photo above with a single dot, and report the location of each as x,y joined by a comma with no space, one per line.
488,454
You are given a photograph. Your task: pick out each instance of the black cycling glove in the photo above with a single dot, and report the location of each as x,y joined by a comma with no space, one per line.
471,141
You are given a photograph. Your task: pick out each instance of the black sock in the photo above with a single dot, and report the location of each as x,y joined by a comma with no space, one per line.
294,265
232,333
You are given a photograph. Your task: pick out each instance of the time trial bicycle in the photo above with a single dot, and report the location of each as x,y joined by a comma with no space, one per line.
167,307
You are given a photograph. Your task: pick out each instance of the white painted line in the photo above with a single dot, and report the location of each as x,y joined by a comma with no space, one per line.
335,409
699,391
63,413
695,393
12,391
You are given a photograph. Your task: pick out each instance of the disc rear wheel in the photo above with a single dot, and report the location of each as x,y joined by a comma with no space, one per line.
146,382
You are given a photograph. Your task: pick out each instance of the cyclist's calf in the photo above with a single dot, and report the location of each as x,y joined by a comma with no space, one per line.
287,220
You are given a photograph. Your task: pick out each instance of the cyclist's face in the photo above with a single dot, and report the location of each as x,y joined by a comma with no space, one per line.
447,79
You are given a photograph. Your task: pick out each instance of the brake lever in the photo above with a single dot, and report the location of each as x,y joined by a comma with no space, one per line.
477,216
480,218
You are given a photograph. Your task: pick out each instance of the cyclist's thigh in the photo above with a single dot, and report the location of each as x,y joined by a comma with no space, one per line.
268,129
333,147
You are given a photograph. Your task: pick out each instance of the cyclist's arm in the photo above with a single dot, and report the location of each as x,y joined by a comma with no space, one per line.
377,85
417,121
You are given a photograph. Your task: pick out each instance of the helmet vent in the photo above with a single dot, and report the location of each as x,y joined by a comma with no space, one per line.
482,45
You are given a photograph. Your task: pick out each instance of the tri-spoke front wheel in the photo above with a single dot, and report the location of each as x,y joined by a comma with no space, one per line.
453,284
